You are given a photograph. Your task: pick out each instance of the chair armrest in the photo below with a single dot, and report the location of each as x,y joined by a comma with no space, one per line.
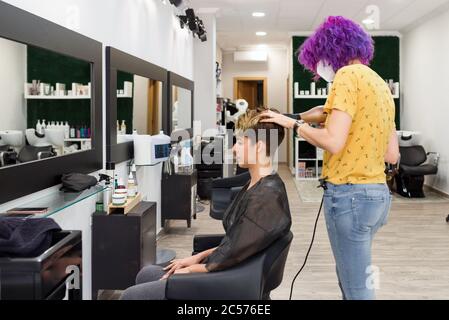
235,191
236,181
206,241
436,158
44,155
242,282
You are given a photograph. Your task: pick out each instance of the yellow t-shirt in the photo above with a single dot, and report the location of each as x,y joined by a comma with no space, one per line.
364,95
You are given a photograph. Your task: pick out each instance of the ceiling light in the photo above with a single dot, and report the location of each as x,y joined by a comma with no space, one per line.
368,21
261,33
258,14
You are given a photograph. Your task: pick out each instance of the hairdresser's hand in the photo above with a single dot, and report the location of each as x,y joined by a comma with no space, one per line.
279,119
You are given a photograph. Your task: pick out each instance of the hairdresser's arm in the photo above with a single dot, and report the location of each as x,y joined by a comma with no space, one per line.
392,154
332,138
314,115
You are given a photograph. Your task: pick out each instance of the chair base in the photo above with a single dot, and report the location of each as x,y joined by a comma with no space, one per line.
410,186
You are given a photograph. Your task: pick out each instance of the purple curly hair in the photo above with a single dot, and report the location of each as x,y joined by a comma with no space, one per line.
338,41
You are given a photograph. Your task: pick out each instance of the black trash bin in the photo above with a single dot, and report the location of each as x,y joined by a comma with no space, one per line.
45,277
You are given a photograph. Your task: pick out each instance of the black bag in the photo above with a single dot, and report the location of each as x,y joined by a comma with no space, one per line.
76,182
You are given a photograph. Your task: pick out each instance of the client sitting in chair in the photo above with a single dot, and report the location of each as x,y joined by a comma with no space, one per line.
258,216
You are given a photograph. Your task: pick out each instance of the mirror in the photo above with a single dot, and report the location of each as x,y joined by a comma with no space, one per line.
139,106
181,102
46,104
182,108
49,73
136,102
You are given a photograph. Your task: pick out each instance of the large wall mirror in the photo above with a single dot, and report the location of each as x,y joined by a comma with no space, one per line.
181,91
136,102
50,91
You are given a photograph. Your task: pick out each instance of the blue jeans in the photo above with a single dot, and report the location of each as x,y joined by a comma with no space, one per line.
354,213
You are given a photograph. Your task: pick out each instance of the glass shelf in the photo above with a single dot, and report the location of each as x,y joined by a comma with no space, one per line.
58,201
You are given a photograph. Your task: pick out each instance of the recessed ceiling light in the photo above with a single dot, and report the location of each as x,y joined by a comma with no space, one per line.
368,21
258,14
261,33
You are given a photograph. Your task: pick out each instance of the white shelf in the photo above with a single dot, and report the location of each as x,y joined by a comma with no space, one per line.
29,97
311,97
122,96
77,139
297,160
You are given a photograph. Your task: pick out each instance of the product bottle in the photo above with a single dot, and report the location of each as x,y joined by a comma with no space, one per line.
176,163
123,128
82,134
39,127
115,181
131,186
66,130
107,193
44,125
72,132
88,132
78,133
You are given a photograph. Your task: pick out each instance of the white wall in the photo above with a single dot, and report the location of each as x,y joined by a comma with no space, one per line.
204,71
147,29
424,87
13,75
276,72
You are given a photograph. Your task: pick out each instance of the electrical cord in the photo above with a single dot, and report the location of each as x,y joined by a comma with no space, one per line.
322,185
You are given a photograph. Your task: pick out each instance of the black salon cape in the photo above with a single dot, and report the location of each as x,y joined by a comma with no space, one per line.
256,218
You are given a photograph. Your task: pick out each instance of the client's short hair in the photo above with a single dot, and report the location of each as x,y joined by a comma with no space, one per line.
251,121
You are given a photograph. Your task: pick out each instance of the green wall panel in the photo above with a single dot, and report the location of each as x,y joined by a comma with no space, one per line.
125,105
50,67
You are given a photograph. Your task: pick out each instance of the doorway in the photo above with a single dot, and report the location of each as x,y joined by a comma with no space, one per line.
252,89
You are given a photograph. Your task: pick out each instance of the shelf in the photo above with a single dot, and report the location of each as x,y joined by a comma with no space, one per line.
124,96
308,159
310,97
28,97
77,139
58,201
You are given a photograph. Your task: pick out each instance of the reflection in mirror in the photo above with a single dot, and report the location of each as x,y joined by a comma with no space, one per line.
182,108
45,104
139,106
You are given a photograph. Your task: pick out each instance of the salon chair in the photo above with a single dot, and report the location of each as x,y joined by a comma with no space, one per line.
31,153
413,166
224,191
7,156
252,279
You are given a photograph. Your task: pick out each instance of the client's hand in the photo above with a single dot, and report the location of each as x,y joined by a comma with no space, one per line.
180,264
196,268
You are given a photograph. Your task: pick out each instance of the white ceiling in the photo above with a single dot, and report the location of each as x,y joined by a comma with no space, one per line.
236,27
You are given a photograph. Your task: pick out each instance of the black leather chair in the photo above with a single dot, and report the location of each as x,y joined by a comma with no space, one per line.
224,191
31,153
413,166
252,279
7,156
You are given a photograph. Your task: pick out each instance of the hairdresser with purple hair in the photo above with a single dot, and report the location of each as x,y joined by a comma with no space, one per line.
358,137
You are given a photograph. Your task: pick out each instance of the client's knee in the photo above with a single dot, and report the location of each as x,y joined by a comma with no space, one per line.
149,274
